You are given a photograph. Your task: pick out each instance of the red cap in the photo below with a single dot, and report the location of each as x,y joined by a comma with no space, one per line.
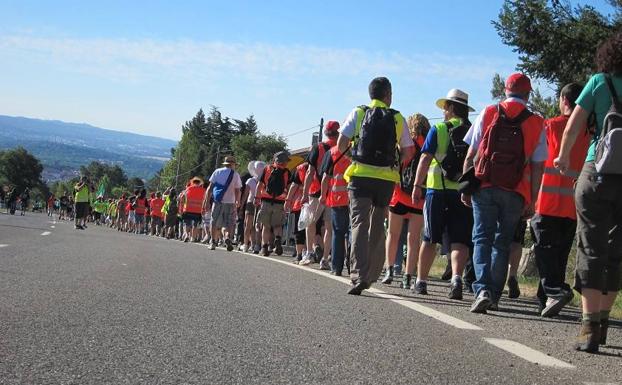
331,126
518,83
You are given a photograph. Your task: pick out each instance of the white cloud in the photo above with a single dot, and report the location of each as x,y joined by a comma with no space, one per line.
142,59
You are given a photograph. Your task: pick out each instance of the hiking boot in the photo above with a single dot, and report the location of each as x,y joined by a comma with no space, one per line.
494,306
397,270
388,278
358,288
604,326
228,244
421,287
513,289
555,305
455,291
589,337
278,247
406,281
324,265
482,303
318,252
265,251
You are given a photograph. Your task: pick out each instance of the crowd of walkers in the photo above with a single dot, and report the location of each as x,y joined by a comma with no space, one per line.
379,182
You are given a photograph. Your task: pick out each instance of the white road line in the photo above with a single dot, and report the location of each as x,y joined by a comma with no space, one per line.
528,353
3,245
52,227
446,319
46,233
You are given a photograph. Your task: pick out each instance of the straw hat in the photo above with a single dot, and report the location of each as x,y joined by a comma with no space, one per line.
457,96
229,160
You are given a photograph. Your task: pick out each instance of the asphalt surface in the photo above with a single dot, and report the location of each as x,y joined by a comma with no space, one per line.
102,307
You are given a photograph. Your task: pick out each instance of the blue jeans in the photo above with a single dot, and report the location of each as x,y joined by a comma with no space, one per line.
496,213
340,218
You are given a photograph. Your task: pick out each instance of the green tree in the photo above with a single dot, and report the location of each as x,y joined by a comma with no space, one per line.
555,41
256,147
135,183
21,169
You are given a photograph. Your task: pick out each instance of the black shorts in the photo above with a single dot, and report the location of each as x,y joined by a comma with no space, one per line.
82,209
190,218
402,209
445,212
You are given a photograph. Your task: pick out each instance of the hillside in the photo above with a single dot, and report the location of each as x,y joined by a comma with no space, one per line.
63,147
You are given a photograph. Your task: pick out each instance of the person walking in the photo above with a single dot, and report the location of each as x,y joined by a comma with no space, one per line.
224,187
271,196
191,203
440,167
81,199
334,195
510,144
597,195
311,192
554,224
376,133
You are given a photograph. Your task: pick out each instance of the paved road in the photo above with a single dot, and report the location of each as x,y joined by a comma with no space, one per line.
102,307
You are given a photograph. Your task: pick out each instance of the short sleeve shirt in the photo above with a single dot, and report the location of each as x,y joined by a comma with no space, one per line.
349,128
596,98
220,176
251,185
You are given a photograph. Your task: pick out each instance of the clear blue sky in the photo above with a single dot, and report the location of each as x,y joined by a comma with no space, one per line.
148,66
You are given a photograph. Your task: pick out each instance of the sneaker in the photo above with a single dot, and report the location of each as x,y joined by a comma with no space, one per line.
448,272
324,265
482,303
421,287
494,306
406,281
278,247
256,248
245,248
212,246
388,278
455,291
555,305
513,289
589,337
397,270
228,244
307,259
265,251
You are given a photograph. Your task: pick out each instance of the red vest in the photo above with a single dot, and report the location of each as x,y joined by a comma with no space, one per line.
338,187
141,206
316,185
556,196
266,177
156,207
532,129
301,171
194,199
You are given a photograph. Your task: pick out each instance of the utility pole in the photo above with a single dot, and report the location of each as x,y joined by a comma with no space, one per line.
321,127
178,164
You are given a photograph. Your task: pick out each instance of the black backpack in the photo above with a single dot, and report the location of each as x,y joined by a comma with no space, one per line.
409,171
376,142
457,149
276,184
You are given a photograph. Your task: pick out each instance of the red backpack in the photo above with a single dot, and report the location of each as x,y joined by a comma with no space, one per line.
501,153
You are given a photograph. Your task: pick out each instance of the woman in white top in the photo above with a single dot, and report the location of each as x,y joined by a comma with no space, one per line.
255,168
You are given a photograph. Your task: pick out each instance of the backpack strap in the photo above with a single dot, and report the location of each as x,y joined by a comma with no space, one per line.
614,95
228,182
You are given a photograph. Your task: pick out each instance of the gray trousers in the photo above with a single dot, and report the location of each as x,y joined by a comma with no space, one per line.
369,200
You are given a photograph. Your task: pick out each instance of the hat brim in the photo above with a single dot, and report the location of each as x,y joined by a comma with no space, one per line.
440,103
228,163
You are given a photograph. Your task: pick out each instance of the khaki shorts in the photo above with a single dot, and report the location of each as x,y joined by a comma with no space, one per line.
322,211
271,214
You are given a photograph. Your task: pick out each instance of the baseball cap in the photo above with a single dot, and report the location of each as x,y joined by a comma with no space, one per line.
331,126
518,83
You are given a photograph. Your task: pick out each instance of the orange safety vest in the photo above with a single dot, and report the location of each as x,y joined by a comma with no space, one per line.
532,129
556,196
301,171
194,199
266,177
156,207
316,184
338,187
141,206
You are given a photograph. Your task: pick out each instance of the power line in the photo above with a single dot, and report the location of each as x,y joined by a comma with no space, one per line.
301,131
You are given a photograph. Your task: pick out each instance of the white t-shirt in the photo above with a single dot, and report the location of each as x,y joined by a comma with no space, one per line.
251,185
220,176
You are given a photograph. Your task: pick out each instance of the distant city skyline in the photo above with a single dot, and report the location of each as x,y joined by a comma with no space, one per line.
147,67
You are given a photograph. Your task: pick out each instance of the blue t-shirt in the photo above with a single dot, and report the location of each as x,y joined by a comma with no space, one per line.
431,143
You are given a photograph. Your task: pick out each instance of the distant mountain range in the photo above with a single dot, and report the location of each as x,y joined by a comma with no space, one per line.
64,147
